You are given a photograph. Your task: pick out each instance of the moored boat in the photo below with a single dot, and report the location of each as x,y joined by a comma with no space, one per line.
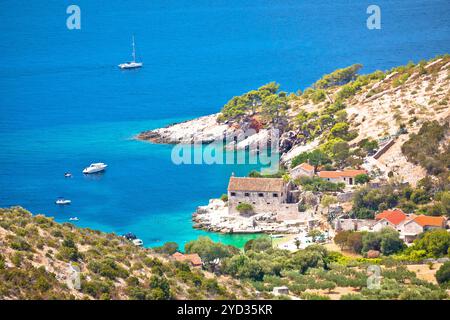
62,202
132,64
95,167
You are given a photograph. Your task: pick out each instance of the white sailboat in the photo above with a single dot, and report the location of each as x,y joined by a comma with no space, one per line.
132,64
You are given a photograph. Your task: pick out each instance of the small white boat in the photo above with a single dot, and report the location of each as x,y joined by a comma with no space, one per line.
132,64
95,167
74,219
63,202
138,242
68,175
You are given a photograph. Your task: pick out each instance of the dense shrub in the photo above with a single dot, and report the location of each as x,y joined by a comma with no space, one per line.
209,250
244,208
443,274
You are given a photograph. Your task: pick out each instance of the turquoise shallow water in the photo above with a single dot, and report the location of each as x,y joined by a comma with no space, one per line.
65,104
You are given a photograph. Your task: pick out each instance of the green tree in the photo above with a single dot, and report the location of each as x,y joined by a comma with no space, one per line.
273,108
209,250
340,130
354,241
262,243
362,179
338,77
435,243
340,152
387,241
167,248
314,234
315,158
341,238
443,274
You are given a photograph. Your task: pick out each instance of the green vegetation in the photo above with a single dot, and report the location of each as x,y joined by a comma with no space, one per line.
443,275
257,174
244,208
338,77
40,249
318,184
430,244
167,248
362,178
267,100
113,268
386,241
368,201
353,87
209,250
424,148
368,145
315,158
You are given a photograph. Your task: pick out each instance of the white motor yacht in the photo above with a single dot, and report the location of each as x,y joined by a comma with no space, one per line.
95,167
63,202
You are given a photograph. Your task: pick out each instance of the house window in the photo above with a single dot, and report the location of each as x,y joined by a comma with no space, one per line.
247,194
233,194
260,195
275,195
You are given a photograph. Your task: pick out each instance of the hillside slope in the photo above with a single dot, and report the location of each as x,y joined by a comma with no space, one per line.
382,106
36,252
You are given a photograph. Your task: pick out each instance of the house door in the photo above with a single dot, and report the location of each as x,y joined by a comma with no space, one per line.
350,180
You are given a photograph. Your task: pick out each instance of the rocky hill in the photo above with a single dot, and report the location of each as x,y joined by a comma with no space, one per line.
341,107
38,256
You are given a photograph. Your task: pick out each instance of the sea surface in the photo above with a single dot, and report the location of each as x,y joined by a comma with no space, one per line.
64,103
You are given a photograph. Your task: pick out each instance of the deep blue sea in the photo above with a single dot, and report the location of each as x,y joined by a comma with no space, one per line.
64,103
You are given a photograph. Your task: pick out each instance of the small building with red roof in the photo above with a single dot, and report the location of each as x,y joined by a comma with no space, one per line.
412,227
193,258
304,169
389,218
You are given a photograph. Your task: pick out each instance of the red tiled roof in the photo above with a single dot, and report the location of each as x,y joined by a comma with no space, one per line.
393,216
306,166
426,221
329,174
193,258
352,173
338,174
256,184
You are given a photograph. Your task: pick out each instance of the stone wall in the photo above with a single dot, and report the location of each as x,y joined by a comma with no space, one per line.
266,203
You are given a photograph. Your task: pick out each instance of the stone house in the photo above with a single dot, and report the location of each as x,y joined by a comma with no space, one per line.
353,224
411,228
346,176
280,290
389,218
263,194
302,170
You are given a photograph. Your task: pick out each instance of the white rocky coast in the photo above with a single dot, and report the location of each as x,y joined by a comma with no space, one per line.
215,217
207,130
204,129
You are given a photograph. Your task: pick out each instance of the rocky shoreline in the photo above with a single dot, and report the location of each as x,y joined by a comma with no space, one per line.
215,217
205,129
